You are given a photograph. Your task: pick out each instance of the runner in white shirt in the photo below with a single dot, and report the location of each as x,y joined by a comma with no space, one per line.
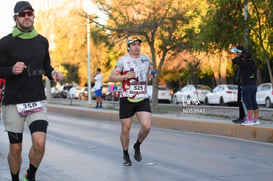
133,71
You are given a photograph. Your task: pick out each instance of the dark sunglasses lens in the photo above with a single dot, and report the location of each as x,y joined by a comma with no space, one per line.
23,14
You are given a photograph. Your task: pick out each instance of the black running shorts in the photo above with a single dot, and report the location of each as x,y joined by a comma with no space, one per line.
128,109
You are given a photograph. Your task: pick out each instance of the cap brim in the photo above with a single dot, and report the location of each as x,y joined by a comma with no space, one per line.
235,50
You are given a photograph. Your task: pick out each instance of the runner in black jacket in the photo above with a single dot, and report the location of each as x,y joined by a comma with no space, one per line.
24,58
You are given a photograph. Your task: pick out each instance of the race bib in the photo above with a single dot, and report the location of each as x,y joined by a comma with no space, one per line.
137,89
29,108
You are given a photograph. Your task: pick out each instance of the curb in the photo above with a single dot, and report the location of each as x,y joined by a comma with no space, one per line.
257,133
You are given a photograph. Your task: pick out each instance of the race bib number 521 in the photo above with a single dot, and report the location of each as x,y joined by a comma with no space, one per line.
29,108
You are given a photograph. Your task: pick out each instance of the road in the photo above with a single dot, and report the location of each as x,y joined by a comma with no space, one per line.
89,150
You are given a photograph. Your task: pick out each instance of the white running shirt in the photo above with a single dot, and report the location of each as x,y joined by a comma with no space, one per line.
98,81
135,88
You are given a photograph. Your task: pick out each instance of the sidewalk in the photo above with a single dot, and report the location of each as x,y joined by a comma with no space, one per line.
186,122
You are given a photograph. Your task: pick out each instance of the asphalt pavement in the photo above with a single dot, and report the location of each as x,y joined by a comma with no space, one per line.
85,149
189,119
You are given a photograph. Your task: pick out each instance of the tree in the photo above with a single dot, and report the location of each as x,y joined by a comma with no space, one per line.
65,27
164,25
72,74
224,26
221,27
262,31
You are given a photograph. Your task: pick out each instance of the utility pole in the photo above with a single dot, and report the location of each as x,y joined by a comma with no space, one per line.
89,61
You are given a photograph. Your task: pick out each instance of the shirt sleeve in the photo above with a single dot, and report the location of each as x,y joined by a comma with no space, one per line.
5,69
47,63
119,66
238,61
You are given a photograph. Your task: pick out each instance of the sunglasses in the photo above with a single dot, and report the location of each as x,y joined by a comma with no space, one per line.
23,14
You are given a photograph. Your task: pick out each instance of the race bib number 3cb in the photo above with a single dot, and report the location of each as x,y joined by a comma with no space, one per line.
25,109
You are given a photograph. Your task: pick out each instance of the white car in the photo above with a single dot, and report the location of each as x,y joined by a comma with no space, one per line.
191,94
264,95
164,94
222,94
55,93
73,92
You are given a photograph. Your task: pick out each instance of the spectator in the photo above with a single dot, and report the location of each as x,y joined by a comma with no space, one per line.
248,78
238,50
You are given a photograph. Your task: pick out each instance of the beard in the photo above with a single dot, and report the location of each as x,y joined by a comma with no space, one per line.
26,27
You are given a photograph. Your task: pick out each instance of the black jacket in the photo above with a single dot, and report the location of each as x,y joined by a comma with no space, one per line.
27,86
248,70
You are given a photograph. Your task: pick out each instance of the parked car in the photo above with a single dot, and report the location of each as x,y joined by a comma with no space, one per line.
113,93
55,93
73,92
63,90
104,90
264,95
222,94
83,94
164,94
191,94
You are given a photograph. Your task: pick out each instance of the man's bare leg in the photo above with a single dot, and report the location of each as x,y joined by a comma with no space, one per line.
36,153
15,160
125,139
145,122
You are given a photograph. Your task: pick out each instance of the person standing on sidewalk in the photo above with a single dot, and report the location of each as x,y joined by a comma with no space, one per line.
98,87
133,71
24,57
238,50
248,79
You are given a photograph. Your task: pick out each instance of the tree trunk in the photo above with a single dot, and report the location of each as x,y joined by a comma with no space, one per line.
155,95
223,67
269,70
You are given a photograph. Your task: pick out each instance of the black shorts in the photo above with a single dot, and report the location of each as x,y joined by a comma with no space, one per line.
128,109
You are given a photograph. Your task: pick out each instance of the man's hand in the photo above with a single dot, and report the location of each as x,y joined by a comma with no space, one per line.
18,68
130,75
57,76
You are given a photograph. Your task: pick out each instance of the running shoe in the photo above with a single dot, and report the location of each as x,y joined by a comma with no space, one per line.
256,122
247,123
238,121
127,161
137,155
26,179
